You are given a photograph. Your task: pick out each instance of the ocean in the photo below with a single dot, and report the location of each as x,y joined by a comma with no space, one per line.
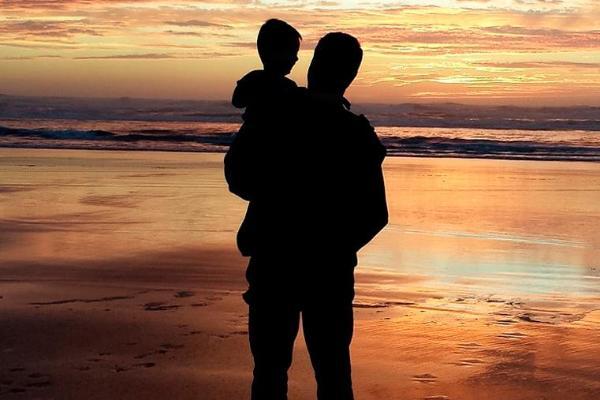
431,130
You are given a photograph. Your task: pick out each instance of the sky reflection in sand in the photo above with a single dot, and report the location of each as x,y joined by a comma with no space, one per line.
485,280
500,226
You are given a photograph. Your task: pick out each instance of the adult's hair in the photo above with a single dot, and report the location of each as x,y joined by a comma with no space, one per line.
274,37
335,62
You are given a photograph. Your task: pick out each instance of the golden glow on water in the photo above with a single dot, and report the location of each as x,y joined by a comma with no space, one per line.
113,204
515,227
486,279
526,226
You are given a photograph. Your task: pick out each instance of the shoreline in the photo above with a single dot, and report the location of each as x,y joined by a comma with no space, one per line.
380,125
214,151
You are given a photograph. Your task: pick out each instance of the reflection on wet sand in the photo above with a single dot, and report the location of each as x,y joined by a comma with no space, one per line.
119,274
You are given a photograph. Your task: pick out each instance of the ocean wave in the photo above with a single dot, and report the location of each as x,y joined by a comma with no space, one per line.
485,148
154,135
449,115
441,115
488,123
191,140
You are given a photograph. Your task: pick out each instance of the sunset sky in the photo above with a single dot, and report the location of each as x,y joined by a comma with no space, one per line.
534,52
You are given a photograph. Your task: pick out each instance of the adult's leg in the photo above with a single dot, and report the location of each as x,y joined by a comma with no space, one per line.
327,319
272,328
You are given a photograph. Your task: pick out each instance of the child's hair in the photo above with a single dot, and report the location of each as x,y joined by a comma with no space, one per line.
276,35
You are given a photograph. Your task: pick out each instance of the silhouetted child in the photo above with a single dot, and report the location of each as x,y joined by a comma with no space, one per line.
263,90
265,94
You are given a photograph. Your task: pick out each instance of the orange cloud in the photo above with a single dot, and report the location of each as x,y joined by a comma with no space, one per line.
464,48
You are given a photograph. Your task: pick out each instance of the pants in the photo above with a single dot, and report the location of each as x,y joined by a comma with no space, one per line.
276,298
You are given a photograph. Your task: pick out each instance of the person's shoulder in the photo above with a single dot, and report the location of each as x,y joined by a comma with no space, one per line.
246,88
288,83
252,81
267,81
263,90
359,120
300,93
364,134
297,99
266,84
358,123
257,74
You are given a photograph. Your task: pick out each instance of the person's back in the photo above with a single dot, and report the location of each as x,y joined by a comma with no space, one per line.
322,188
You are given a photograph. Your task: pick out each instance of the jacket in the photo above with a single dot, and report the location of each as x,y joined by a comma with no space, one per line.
313,178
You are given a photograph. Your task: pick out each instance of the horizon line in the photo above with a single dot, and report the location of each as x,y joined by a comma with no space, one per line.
431,102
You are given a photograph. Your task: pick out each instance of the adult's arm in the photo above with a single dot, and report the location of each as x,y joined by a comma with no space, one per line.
239,163
372,204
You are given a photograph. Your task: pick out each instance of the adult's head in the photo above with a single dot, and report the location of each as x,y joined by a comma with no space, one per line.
278,43
335,63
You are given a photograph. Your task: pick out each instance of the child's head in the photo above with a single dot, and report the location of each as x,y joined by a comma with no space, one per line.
278,44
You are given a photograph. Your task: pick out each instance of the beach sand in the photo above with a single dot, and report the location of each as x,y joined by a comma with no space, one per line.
119,279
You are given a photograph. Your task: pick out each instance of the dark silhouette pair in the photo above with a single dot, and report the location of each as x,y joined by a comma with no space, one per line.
311,171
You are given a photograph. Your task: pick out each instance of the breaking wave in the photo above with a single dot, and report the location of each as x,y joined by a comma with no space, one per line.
407,142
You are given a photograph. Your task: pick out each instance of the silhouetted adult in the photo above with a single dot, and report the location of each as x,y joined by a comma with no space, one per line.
312,174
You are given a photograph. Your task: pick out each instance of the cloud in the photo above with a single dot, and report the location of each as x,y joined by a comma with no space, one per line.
185,33
197,23
540,64
67,4
428,40
401,39
33,28
537,2
241,45
34,57
147,56
199,34
157,56
42,44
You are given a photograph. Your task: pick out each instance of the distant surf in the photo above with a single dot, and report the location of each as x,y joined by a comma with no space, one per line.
439,130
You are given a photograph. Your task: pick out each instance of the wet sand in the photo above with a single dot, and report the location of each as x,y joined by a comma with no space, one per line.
119,280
